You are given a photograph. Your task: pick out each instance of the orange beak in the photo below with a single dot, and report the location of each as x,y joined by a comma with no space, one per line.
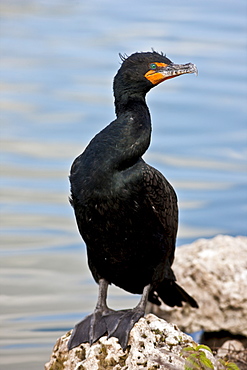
166,71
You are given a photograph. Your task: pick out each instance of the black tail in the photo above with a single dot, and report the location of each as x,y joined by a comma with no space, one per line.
171,294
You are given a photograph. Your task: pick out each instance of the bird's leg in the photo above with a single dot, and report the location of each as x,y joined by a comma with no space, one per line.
144,298
120,323
93,326
104,320
101,303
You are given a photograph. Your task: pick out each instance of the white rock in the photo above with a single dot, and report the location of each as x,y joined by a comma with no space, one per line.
214,272
234,349
153,344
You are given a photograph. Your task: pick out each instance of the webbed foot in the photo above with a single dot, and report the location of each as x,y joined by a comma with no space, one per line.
120,323
89,330
104,320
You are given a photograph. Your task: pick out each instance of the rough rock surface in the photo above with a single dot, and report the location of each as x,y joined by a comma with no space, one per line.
234,351
153,344
214,272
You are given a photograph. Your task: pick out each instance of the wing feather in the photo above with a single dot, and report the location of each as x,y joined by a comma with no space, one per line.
163,200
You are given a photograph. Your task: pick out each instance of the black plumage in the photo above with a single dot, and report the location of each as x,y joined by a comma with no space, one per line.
126,210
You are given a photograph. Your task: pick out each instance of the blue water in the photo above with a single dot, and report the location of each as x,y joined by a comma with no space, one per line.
58,60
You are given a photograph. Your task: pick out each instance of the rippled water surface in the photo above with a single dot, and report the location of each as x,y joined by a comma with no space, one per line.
58,59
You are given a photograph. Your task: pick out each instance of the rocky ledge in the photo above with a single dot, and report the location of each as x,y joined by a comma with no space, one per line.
214,272
153,344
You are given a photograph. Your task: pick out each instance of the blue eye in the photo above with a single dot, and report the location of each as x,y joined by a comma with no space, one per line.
152,66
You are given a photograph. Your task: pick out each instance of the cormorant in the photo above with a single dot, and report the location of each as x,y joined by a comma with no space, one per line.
126,210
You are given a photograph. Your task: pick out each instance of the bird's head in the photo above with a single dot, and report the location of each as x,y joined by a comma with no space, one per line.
140,72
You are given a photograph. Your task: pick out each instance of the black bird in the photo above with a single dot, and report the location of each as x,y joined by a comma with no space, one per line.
126,210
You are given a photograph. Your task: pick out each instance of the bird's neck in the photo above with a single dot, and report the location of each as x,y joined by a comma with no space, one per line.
123,142
126,101
134,129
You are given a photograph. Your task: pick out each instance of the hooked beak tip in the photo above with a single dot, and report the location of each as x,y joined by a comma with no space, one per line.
174,70
195,69
185,68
